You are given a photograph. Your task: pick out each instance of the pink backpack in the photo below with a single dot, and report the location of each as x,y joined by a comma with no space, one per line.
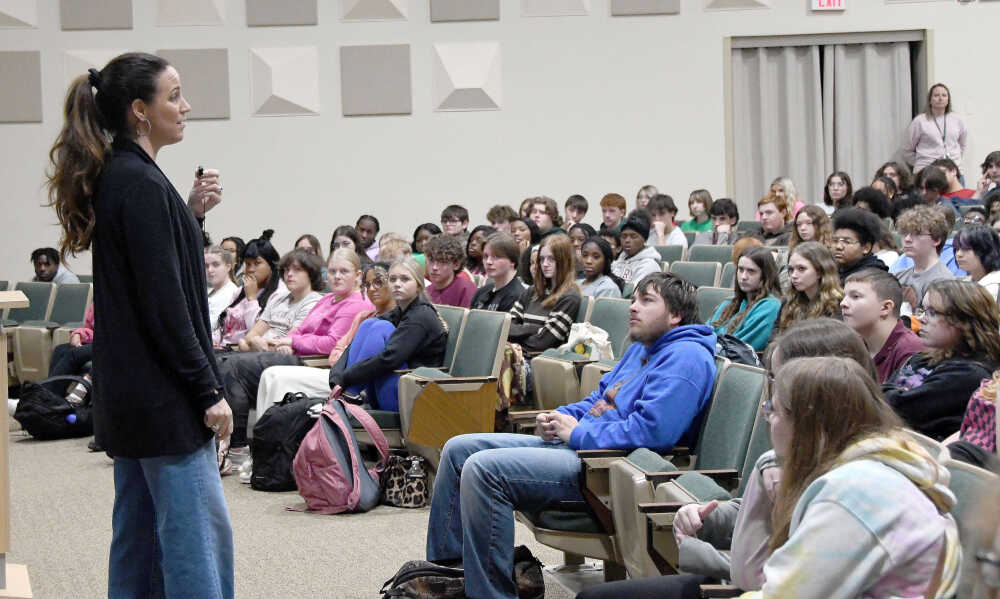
328,468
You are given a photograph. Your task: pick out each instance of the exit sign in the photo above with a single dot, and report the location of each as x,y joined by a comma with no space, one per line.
829,4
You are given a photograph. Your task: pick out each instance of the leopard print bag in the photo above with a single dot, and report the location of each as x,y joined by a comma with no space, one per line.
404,481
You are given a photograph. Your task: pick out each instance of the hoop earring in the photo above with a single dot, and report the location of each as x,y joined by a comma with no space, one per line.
149,129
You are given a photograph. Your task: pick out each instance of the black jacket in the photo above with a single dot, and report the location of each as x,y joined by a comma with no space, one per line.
497,300
866,261
419,340
154,371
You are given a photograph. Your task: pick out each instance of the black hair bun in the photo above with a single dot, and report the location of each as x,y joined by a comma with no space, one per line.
267,234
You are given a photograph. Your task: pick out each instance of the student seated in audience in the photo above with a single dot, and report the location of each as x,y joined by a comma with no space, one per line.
298,323
959,325
872,298
784,187
947,255
260,281
872,200
346,236
235,246
445,258
837,192
72,358
579,233
855,233
637,259
724,216
310,244
500,217
774,227
642,197
976,441
545,311
545,213
455,222
368,228
752,313
662,229
421,235
812,223
861,507
975,215
286,309
502,288
525,233
474,249
956,192
988,187
409,336
934,186
887,186
815,289
598,280
924,232
391,248
977,249
699,205
48,268
614,239
743,524
653,398
901,176
613,209
575,208
221,288
524,211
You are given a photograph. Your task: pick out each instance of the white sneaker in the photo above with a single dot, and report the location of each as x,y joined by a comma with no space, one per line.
246,471
11,407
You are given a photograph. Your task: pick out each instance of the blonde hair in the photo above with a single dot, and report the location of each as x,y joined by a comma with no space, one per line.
786,184
227,258
414,268
393,248
796,305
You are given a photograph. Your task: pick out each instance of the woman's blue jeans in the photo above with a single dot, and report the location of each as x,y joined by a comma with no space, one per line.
171,535
481,480
370,340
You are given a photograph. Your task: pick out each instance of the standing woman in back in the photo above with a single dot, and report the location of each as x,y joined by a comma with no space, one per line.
935,133
154,370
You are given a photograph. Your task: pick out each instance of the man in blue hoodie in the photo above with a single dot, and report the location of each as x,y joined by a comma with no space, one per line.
653,398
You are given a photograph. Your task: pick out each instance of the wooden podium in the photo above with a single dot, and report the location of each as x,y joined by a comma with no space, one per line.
14,583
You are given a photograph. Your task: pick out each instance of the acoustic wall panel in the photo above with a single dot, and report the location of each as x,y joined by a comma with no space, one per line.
554,8
464,10
284,81
373,10
179,13
106,14
18,14
204,80
623,8
736,4
21,81
467,76
375,80
268,13
76,62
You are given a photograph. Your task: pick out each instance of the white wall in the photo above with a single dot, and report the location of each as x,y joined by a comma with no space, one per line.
591,105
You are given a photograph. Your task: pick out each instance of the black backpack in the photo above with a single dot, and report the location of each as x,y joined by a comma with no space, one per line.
737,351
276,439
419,579
47,416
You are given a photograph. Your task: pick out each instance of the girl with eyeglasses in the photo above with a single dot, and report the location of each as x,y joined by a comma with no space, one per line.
959,324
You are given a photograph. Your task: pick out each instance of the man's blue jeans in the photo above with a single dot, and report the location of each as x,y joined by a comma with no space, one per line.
171,535
481,480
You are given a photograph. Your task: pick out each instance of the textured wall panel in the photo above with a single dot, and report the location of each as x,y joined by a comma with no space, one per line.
736,4
76,62
375,80
21,81
622,8
204,80
464,10
284,81
175,13
17,14
467,76
269,13
373,10
554,8
106,14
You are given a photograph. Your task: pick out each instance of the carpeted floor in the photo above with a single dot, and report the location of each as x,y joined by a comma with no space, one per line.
61,500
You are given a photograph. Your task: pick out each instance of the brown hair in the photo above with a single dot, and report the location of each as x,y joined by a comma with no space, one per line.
821,337
769,286
821,222
91,122
565,279
742,244
503,245
307,261
501,213
551,208
703,196
614,200
973,311
930,92
833,406
796,305
445,248
886,286
924,219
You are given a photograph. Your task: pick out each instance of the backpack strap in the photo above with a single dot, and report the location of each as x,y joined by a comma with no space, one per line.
68,377
345,430
376,434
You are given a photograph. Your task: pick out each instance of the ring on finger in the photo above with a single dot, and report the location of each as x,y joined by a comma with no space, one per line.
215,427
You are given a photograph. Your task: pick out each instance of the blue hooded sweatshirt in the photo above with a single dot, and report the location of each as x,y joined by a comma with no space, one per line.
663,389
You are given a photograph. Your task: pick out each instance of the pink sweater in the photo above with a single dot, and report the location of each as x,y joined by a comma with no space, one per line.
326,323
86,332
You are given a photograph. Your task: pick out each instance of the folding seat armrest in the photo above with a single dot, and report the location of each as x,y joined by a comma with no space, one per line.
661,477
659,508
461,380
316,360
601,453
718,591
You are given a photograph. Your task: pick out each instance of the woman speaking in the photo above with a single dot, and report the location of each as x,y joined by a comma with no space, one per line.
158,387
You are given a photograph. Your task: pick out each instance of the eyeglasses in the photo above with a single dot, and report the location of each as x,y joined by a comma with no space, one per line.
845,241
922,313
974,219
376,283
989,568
767,406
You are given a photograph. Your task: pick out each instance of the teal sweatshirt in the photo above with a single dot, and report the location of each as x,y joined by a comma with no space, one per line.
756,327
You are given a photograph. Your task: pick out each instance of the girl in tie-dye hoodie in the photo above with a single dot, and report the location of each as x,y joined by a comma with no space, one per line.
861,510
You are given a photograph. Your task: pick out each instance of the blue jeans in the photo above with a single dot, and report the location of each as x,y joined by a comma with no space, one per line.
370,340
171,535
481,480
